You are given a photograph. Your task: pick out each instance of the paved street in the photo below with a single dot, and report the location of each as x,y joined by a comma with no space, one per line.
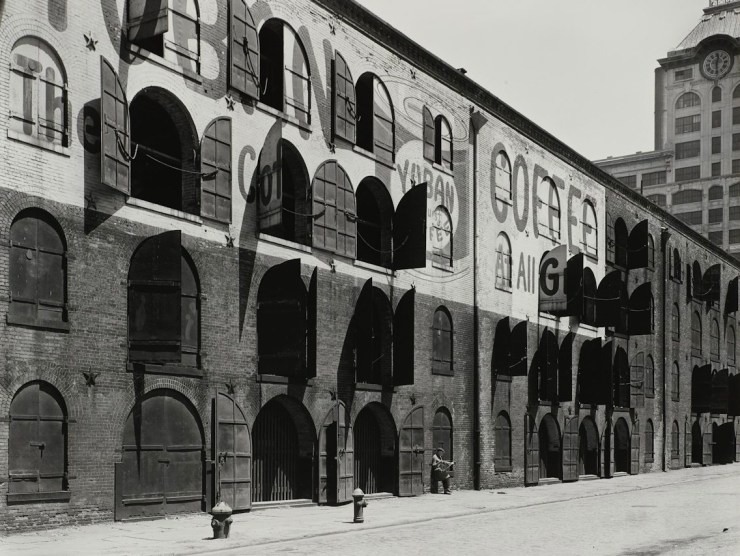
682,512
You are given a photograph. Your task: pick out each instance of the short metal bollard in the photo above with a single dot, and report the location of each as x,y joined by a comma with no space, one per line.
221,522
359,505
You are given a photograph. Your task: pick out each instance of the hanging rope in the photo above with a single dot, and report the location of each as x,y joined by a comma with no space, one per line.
121,147
250,68
314,215
204,175
382,251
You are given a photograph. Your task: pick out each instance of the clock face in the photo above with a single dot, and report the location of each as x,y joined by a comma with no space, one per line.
716,64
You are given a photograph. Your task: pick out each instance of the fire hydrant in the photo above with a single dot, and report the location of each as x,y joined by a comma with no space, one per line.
359,505
221,522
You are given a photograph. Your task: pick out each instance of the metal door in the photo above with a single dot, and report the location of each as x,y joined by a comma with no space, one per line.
368,464
232,454
411,454
161,470
336,457
635,449
707,445
345,456
532,452
686,443
571,440
275,465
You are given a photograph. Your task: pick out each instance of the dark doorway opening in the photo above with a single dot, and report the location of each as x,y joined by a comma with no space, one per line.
621,447
550,459
588,454
696,443
375,450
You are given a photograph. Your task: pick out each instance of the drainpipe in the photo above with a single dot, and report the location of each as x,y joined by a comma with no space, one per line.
477,121
665,235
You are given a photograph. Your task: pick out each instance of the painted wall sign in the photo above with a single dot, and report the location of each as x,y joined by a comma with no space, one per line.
553,297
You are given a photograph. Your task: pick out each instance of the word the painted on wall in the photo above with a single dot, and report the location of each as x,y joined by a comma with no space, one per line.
439,186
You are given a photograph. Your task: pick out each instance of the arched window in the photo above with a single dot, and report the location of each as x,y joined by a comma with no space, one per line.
649,377
374,223
163,304
37,445
675,444
657,198
696,280
735,190
285,78
717,94
687,196
610,243
621,243
677,268
675,324
503,262
649,442
442,432
443,142
37,271
651,251
687,100
38,95
502,448
675,383
171,32
589,231
442,337
731,346
334,223
736,92
375,118
441,237
502,177
714,340
548,209
695,334
716,193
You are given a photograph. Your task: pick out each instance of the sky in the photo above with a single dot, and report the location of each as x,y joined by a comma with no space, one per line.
581,69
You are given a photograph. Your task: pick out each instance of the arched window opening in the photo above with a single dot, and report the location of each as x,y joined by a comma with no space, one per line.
714,340
503,262
621,446
736,92
285,79
717,94
548,209
502,432
442,433
731,346
696,334
441,237
375,118
550,452
373,320
37,445
443,142
442,338
677,269
610,240
675,323
716,193
675,445
374,223
334,221
502,177
588,452
589,231
38,95
651,251
621,243
37,271
687,100
675,383
163,170
168,28
649,442
649,377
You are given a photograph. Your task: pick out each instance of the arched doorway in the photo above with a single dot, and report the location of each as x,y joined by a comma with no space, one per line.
724,443
588,459
161,469
621,446
375,450
696,443
550,466
283,438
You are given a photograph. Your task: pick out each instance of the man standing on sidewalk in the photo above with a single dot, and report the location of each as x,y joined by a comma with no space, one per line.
440,469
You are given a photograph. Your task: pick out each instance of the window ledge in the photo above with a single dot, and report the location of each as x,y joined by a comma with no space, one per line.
502,468
144,54
59,326
283,116
506,289
444,267
443,169
261,236
30,497
372,156
172,369
279,379
590,256
36,142
368,387
374,267
153,207
439,372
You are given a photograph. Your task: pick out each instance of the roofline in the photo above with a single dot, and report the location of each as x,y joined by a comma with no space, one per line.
636,157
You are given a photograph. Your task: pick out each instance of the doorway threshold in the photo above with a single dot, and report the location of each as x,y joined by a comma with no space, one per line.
588,477
549,481
298,503
379,495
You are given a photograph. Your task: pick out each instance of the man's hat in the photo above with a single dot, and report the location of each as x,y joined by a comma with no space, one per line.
440,449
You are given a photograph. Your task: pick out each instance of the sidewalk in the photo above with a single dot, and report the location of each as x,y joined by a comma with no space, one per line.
191,534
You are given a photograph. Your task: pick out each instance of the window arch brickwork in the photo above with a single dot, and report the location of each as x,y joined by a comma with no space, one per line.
502,433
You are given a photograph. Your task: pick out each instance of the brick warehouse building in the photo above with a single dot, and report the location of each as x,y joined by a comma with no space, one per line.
272,251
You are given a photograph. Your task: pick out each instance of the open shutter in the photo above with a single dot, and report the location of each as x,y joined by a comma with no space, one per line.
345,456
383,123
403,340
588,369
731,303
734,395
296,79
215,167
720,391
637,245
609,299
501,349
689,282
518,350
686,443
345,101
531,451
635,449
270,189
312,323
363,318
244,50
115,139
621,376
571,442
154,304
588,314
612,439
411,454
327,456
710,284
147,19
707,445
410,229
232,453
548,367
574,285
565,369
640,317
429,135
604,382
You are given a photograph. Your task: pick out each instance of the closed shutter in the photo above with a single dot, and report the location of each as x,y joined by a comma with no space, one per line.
610,242
610,443
640,318
410,229
571,442
403,340
363,322
53,107
574,286
154,304
548,366
244,50
637,246
335,224
345,101
588,316
233,453
531,452
147,19
411,454
710,284
635,449
270,188
312,319
604,382
731,303
25,70
687,443
383,123
428,135
296,82
345,455
707,446
621,377
637,386
182,44
518,350
565,369
215,167
115,135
